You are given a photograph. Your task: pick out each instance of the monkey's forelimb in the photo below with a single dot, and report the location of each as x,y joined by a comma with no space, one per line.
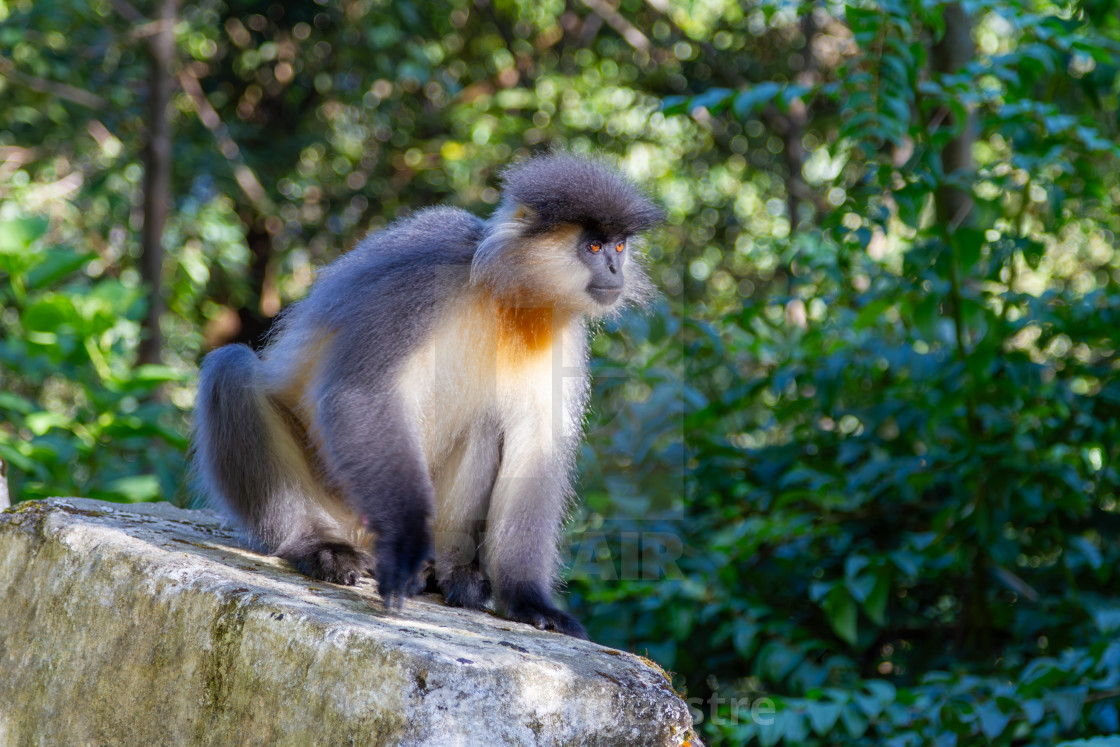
372,452
527,510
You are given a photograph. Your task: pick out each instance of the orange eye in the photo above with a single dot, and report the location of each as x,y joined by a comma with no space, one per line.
620,247
596,246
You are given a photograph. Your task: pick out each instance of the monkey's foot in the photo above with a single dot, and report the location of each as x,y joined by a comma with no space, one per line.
336,562
465,587
543,616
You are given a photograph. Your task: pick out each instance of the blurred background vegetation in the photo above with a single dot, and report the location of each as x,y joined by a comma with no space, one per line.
860,459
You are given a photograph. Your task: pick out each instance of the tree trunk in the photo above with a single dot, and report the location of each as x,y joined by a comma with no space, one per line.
157,175
954,208
950,55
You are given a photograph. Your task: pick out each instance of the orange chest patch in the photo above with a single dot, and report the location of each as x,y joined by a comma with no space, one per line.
526,330
522,335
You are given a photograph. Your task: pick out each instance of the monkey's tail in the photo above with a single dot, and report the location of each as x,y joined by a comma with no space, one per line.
243,448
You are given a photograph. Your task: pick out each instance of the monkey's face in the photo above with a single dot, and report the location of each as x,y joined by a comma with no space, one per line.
580,268
605,257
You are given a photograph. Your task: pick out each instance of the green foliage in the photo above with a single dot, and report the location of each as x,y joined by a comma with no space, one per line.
76,418
905,459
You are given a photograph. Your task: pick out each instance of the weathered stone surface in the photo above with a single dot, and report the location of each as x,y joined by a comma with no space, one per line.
143,625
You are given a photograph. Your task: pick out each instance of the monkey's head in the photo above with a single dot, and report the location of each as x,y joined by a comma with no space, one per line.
566,235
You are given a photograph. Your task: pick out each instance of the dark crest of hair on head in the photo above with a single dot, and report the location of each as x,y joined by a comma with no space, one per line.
563,188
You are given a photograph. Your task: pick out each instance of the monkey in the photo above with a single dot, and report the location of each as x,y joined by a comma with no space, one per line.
419,411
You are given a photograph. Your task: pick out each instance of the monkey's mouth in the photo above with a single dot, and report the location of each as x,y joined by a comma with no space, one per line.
604,295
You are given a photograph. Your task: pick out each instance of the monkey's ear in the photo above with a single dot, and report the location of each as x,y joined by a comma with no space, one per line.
504,231
524,214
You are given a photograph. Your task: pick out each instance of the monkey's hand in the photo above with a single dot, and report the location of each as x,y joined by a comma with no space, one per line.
466,587
534,608
402,554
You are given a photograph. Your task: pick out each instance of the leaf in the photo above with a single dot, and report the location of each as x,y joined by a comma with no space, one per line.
1033,252
1106,717
20,461
1107,619
871,314
158,373
15,403
136,488
992,720
853,564
854,721
818,589
55,265
714,100
789,94
18,234
870,705
864,22
48,314
1067,704
876,604
744,637
968,244
754,98
926,315
860,588
1033,710
883,690
796,727
906,562
674,105
1088,550
823,716
42,421
858,584
776,660
841,611
770,734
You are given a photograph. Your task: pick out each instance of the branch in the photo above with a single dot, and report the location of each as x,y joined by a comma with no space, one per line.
65,91
152,28
616,21
128,11
244,175
725,72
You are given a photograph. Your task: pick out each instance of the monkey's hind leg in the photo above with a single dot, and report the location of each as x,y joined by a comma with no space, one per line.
248,458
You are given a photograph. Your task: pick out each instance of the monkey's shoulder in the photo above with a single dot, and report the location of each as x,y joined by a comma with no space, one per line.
386,294
433,234
414,257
